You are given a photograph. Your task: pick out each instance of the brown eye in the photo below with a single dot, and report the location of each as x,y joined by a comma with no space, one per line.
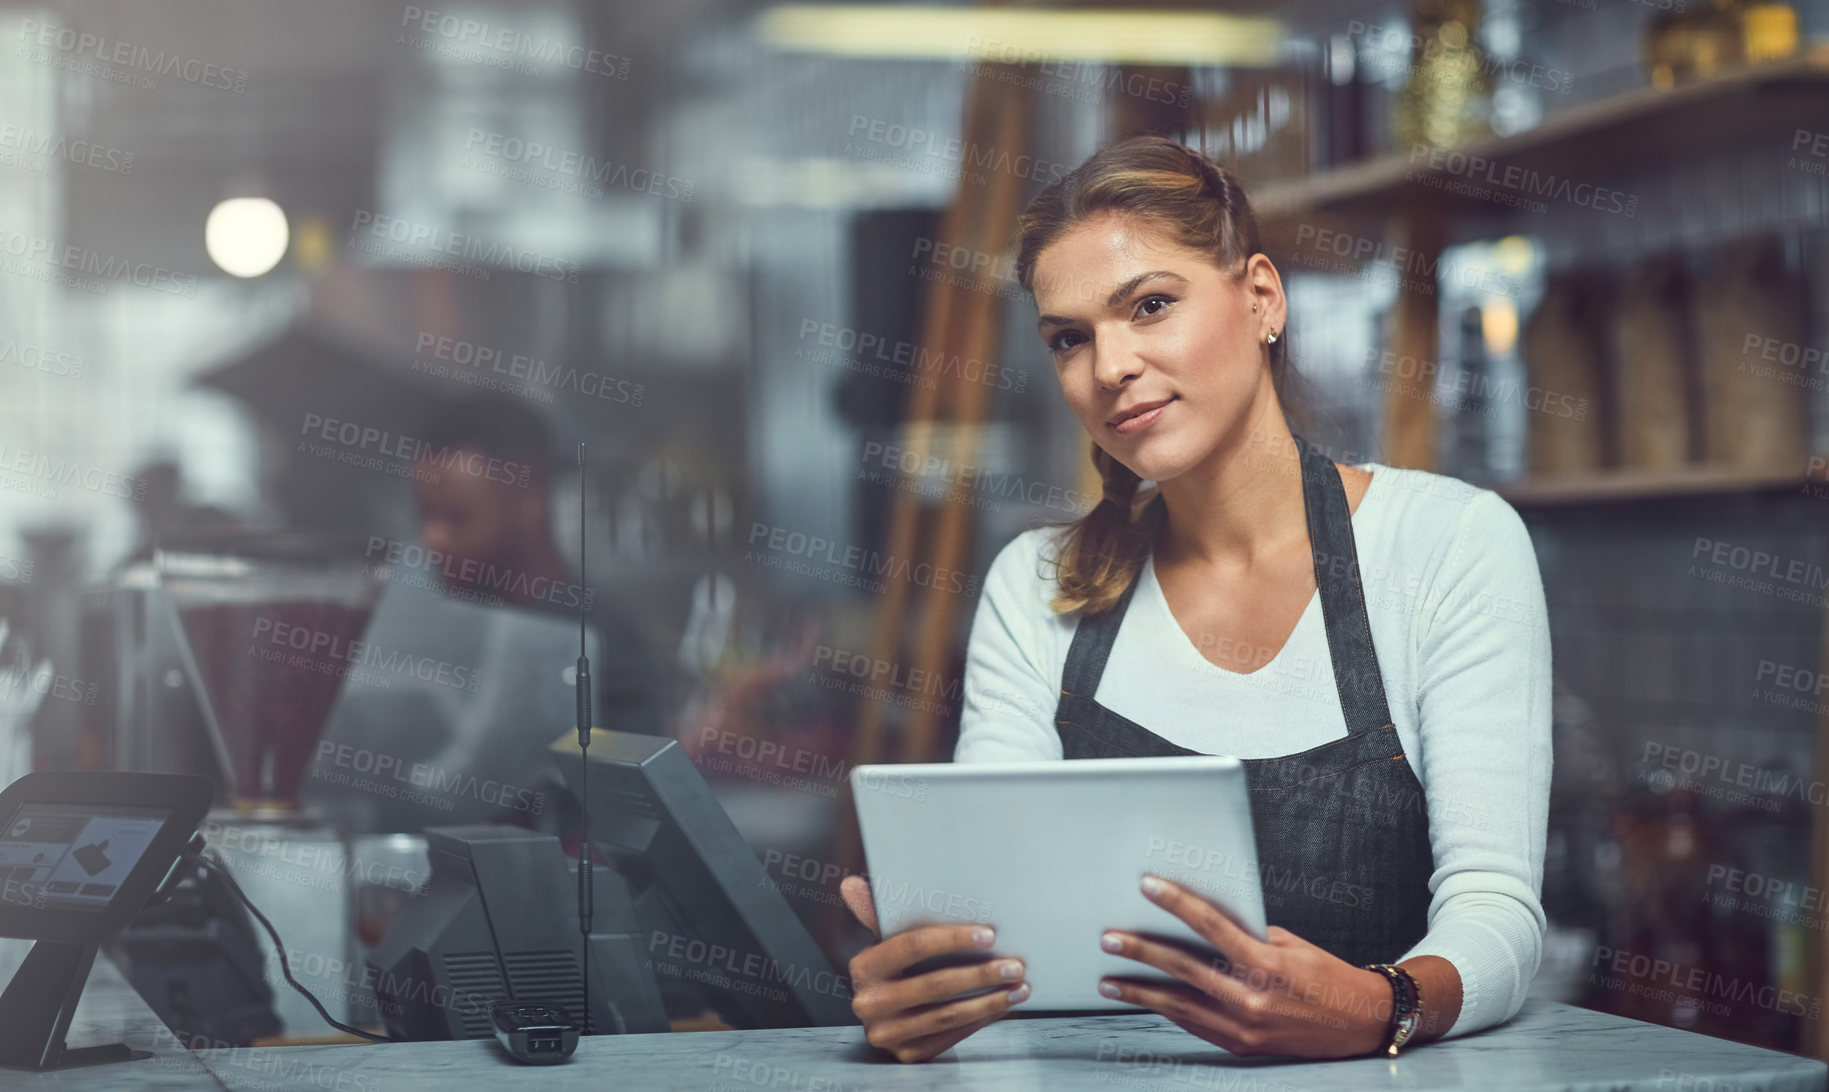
1162,300
1060,344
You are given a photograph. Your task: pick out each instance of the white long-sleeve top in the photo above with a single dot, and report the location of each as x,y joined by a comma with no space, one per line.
1462,637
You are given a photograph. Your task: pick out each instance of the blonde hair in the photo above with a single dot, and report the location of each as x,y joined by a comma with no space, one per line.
1197,204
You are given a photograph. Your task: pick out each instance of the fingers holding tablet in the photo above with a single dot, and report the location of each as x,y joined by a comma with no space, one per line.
925,989
1207,919
1282,995
1228,1027
932,963
1213,978
919,1034
856,893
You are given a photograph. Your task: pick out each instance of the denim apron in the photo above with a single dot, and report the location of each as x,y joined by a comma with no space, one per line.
1341,829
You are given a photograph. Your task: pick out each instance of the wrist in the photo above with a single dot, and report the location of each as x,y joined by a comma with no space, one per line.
1371,1019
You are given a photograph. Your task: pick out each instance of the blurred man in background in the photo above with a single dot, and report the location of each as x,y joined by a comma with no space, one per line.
484,495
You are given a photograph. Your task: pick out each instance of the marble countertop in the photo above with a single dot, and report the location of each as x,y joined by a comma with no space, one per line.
1547,1046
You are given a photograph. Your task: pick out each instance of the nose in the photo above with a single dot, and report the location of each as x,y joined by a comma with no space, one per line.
1114,361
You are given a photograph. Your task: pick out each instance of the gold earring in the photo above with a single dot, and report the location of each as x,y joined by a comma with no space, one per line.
1270,338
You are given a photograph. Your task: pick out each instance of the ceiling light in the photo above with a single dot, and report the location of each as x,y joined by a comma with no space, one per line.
1023,35
246,236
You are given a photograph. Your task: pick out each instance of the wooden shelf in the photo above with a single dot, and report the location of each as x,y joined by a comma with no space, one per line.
1600,143
1632,485
1589,143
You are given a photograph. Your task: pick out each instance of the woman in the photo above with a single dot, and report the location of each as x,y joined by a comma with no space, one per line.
1371,640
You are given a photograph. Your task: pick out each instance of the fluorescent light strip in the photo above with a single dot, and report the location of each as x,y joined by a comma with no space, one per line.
1023,35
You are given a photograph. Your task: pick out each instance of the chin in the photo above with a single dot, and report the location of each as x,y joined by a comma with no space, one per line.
1154,462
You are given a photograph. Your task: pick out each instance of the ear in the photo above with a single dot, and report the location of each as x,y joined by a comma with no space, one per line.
1265,287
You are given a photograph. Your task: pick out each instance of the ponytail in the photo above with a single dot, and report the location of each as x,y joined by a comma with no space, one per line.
1105,549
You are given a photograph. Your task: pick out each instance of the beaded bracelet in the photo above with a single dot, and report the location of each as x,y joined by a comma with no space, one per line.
1406,1006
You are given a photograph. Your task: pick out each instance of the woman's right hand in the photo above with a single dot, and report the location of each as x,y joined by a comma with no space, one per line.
916,1017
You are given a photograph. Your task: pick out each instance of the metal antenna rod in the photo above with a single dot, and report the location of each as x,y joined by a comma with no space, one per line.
586,857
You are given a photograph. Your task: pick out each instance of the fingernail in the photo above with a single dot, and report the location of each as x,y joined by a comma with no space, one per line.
1108,990
1019,994
1111,942
1010,968
1152,886
983,937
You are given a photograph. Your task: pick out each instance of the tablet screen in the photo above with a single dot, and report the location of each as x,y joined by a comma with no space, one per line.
73,856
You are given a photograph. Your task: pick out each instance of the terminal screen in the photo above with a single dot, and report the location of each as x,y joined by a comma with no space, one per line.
72,856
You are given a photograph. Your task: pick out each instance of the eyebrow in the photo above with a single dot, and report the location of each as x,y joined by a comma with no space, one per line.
1117,296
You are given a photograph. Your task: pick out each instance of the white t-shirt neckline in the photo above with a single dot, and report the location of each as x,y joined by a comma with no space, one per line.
1151,598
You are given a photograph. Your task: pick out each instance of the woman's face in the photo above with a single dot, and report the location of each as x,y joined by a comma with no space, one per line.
1135,321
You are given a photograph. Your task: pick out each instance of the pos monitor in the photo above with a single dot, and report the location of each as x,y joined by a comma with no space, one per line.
708,913
80,855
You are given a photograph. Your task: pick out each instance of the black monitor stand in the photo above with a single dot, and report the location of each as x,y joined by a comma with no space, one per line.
84,852
36,1009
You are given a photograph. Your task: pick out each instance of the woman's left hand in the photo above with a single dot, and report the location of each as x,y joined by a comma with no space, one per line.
1278,996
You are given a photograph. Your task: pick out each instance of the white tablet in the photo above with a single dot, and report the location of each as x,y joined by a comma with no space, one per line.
1051,854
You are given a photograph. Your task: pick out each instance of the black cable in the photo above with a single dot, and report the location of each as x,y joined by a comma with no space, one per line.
279,946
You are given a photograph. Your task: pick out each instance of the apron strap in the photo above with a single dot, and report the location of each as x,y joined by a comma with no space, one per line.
1349,627
1091,647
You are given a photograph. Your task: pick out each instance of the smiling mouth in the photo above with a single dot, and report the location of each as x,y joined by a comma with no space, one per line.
1139,417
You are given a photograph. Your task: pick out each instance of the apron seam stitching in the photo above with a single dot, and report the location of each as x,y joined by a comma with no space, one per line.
1324,777
1116,746
1350,735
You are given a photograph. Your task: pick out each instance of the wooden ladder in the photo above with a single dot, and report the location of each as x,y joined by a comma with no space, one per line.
961,316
